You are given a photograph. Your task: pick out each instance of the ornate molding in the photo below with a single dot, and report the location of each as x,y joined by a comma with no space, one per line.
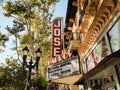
101,19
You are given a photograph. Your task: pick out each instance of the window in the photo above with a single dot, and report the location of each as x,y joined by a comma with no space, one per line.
114,36
97,54
84,67
90,62
101,51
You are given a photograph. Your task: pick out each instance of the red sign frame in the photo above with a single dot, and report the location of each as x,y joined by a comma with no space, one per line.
57,37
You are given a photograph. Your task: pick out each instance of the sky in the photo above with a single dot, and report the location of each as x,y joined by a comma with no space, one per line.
60,10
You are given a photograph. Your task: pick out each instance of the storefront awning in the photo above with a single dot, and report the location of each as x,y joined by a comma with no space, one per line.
68,80
111,59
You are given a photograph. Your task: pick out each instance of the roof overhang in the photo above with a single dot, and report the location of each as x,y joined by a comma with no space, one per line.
68,80
70,19
71,12
97,24
110,60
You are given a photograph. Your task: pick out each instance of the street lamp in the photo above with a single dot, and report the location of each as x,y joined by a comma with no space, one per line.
38,54
30,65
25,52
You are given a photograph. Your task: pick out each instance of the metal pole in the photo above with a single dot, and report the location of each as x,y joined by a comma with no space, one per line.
29,74
29,78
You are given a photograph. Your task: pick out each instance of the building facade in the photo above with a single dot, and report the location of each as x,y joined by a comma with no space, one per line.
92,33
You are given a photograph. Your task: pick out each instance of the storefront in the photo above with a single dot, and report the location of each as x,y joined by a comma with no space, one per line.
104,76
101,66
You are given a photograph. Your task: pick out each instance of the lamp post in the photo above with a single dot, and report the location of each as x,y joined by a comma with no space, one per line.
38,54
30,65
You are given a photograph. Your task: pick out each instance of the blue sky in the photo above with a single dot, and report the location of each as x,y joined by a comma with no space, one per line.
60,10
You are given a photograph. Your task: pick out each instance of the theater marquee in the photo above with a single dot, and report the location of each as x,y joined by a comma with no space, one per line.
64,68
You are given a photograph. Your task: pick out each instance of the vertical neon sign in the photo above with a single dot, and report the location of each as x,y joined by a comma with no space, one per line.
56,37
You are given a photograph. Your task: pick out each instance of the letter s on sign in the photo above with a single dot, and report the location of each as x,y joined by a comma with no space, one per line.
57,41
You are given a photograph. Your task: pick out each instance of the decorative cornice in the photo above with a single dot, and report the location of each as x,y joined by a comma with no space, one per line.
103,16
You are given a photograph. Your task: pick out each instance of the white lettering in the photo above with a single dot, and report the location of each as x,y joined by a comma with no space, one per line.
56,51
57,38
57,41
57,32
58,24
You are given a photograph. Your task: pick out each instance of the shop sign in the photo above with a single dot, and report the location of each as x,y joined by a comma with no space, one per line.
56,37
64,68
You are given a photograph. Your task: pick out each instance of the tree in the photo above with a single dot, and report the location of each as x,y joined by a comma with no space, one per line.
24,11
29,12
40,84
15,30
12,77
3,39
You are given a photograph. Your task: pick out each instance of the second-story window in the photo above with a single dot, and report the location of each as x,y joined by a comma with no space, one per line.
100,51
114,36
